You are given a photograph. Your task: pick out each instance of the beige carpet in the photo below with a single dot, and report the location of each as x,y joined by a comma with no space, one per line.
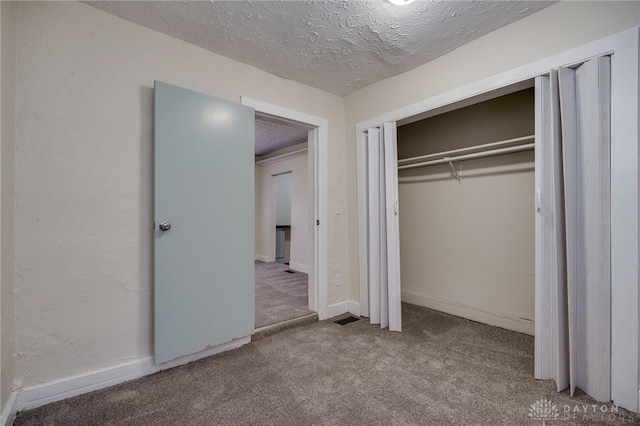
441,370
280,295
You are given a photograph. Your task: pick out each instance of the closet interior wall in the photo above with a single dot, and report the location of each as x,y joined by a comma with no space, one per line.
468,248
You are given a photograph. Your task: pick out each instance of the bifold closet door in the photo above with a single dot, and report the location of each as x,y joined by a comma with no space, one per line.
383,228
551,334
585,97
573,337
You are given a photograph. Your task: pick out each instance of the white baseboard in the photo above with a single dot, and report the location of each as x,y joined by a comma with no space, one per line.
9,410
337,309
505,320
354,307
45,393
262,258
342,308
299,267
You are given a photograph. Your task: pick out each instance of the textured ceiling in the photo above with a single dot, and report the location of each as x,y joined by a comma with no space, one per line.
335,45
272,136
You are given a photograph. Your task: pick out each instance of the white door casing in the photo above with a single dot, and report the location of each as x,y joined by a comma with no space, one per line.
318,187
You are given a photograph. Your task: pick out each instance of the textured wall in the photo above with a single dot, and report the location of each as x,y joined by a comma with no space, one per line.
7,201
553,30
468,249
84,178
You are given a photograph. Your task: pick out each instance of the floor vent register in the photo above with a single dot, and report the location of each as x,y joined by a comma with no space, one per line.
347,320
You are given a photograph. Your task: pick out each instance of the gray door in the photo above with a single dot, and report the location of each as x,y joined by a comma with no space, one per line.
204,186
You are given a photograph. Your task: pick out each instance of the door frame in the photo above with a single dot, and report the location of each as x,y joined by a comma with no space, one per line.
318,187
623,48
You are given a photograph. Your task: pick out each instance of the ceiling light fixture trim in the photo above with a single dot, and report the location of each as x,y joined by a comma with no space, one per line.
401,2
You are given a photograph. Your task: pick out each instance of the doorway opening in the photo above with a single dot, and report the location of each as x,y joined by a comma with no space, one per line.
283,193
290,246
282,216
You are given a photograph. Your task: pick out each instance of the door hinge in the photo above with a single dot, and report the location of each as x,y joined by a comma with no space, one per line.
317,222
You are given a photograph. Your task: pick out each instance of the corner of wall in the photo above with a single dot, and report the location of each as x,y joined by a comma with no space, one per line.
7,201
9,410
340,308
335,309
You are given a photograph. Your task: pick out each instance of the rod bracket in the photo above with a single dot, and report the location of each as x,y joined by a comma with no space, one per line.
457,174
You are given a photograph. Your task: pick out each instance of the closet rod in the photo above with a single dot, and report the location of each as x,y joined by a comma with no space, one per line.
470,156
469,150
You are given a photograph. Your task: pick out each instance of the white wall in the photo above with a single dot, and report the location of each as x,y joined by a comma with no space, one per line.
266,178
7,200
468,248
84,119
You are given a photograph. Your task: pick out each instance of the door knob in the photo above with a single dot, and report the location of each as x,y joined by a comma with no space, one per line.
165,226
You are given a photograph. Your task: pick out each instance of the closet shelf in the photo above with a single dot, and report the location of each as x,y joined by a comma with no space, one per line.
478,151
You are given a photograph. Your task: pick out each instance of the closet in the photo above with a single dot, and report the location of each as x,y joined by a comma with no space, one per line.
467,227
